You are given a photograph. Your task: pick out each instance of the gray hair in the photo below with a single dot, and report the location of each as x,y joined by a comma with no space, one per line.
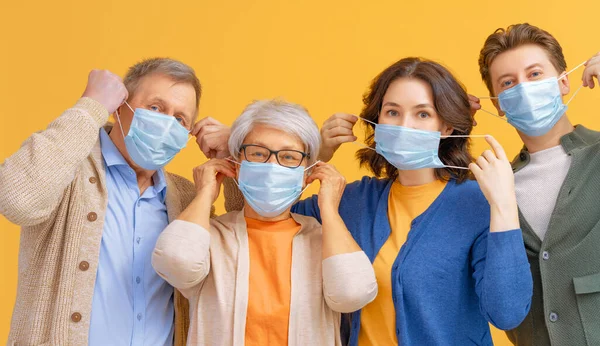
279,114
174,69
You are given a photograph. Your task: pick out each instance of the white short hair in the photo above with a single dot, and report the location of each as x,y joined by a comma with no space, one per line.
279,114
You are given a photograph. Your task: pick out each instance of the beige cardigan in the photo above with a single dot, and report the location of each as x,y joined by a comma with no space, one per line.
54,187
211,269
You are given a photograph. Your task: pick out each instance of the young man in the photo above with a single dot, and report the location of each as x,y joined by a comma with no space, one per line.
92,199
557,176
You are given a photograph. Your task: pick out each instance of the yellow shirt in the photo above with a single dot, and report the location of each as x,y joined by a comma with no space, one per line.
378,318
269,288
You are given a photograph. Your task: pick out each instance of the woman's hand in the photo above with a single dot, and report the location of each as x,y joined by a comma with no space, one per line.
332,186
209,176
496,180
335,131
212,138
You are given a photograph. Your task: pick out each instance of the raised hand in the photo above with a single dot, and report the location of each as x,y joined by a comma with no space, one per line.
212,137
335,131
107,88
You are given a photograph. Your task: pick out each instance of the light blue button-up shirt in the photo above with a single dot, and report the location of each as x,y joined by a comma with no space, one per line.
132,305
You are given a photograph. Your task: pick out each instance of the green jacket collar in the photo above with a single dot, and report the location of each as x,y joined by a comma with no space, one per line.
579,138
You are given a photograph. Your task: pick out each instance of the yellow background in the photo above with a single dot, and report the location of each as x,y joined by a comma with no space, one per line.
321,54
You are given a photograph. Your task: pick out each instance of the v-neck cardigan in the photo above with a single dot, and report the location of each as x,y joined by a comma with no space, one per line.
452,275
211,269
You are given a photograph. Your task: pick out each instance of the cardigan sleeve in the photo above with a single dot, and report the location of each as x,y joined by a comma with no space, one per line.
33,179
182,255
503,278
349,281
308,207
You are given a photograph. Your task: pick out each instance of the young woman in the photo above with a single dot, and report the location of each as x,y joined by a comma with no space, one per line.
447,262
264,276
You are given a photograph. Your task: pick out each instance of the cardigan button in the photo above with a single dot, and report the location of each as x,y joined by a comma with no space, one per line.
545,255
83,266
76,317
92,217
553,317
93,180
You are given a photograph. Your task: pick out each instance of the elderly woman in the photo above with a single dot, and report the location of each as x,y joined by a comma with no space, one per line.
265,276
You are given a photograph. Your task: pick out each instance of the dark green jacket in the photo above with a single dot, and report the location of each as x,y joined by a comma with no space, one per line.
566,266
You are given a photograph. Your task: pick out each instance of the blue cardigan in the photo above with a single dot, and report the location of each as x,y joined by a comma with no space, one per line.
452,276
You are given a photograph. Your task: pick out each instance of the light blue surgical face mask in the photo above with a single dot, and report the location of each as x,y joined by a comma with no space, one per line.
154,138
268,188
534,107
410,149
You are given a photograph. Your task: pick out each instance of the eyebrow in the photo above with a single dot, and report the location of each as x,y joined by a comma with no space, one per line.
393,104
421,105
285,147
424,105
161,101
526,68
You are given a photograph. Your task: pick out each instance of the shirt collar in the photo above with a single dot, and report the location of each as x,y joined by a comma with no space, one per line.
112,157
160,184
580,137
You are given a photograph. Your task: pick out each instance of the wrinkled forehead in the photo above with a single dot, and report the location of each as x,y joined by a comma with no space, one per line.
273,138
173,97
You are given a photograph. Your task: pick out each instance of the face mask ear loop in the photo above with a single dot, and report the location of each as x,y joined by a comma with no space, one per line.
306,169
368,121
311,166
456,167
490,113
120,125
474,136
119,118
464,136
573,96
237,163
487,97
573,69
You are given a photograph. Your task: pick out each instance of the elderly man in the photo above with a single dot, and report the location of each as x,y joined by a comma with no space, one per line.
92,201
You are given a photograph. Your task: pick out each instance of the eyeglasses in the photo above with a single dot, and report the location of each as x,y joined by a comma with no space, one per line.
286,158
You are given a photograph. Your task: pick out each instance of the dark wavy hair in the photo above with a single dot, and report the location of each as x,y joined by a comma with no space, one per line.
451,104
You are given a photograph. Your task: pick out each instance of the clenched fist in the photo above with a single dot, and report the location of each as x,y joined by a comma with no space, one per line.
107,88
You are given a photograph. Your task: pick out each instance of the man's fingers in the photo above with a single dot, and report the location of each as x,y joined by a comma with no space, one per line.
208,121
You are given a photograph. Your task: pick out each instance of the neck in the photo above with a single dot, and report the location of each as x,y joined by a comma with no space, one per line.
417,177
250,213
550,139
144,177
